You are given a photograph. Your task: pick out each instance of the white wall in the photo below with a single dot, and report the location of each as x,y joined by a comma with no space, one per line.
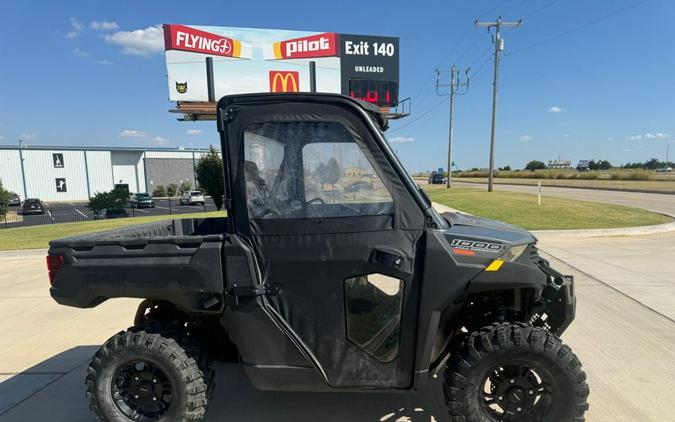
10,171
127,167
41,175
100,171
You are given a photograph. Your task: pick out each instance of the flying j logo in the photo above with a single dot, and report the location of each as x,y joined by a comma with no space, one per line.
179,37
181,87
321,45
284,81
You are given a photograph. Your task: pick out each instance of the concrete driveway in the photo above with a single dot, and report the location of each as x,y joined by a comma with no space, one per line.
628,352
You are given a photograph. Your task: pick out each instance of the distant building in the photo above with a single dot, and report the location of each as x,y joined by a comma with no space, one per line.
54,173
559,164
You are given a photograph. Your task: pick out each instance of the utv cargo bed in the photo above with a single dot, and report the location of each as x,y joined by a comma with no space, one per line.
176,260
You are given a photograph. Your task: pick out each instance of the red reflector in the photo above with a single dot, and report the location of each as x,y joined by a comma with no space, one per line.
463,252
54,263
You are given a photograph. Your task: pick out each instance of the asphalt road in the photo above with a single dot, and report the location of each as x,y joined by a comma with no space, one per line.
656,202
626,346
68,212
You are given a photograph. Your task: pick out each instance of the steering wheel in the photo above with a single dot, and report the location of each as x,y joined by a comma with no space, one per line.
313,200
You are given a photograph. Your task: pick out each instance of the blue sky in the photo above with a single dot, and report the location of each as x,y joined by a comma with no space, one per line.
580,79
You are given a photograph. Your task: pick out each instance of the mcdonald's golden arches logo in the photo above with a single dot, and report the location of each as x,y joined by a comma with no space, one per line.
284,81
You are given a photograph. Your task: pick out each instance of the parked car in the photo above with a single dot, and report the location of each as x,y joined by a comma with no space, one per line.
371,297
359,186
14,200
111,213
192,197
436,179
664,170
32,206
141,200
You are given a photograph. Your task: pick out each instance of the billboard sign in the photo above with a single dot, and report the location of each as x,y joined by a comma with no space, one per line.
249,60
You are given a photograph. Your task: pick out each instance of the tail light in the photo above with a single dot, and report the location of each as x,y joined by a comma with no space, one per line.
54,263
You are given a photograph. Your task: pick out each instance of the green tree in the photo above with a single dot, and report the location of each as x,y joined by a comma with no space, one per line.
210,174
116,199
4,201
331,172
159,190
535,165
185,186
171,189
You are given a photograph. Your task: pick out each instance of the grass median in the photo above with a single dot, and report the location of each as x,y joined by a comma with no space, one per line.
627,185
522,210
38,237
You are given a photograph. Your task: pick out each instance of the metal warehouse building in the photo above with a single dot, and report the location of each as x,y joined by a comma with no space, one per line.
77,173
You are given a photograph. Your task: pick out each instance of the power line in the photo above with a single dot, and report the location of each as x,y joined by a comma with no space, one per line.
539,9
579,27
499,47
421,115
457,87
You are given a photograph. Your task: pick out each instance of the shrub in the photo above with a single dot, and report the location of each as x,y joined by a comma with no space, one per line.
171,189
185,186
159,190
210,176
535,165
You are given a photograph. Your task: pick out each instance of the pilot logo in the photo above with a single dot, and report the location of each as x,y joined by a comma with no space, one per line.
61,185
181,87
284,81
58,160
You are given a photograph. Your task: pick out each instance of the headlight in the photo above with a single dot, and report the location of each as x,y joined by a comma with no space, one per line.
514,253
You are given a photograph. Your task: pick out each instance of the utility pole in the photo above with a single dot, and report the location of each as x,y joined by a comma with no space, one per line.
457,86
499,47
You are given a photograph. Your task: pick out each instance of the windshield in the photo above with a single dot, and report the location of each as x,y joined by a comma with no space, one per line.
142,196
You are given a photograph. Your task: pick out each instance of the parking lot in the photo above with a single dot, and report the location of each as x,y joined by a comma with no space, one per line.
68,212
625,340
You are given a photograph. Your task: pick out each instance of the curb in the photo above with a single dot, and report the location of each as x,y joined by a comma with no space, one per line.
621,231
19,253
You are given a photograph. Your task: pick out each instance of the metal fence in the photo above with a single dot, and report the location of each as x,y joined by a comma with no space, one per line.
69,212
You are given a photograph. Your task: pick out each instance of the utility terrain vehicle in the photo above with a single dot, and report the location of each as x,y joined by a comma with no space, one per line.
312,285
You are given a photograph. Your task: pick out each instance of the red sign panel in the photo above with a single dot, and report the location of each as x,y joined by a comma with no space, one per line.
179,37
321,45
284,81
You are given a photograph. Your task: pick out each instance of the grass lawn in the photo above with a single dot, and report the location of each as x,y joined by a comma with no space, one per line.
647,185
38,237
522,210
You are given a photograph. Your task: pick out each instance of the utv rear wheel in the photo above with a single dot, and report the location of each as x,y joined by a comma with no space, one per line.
136,376
515,372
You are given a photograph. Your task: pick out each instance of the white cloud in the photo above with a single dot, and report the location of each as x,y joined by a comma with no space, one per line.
401,139
194,132
104,61
27,136
81,53
158,140
648,135
610,139
103,25
141,42
657,135
555,109
133,133
76,28
526,138
626,150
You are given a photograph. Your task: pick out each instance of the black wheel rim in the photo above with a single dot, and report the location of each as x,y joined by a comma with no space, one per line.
141,390
516,392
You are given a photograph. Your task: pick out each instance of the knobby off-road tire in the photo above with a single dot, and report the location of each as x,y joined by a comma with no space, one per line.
138,374
190,345
514,372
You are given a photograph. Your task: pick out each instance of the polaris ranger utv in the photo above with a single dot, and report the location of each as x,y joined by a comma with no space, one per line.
331,272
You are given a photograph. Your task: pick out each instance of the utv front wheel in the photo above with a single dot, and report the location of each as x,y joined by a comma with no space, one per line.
515,372
136,376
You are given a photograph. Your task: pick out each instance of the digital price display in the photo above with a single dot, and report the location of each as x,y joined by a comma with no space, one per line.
381,93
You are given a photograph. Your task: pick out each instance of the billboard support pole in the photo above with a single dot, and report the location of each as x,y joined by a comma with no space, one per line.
210,84
312,76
